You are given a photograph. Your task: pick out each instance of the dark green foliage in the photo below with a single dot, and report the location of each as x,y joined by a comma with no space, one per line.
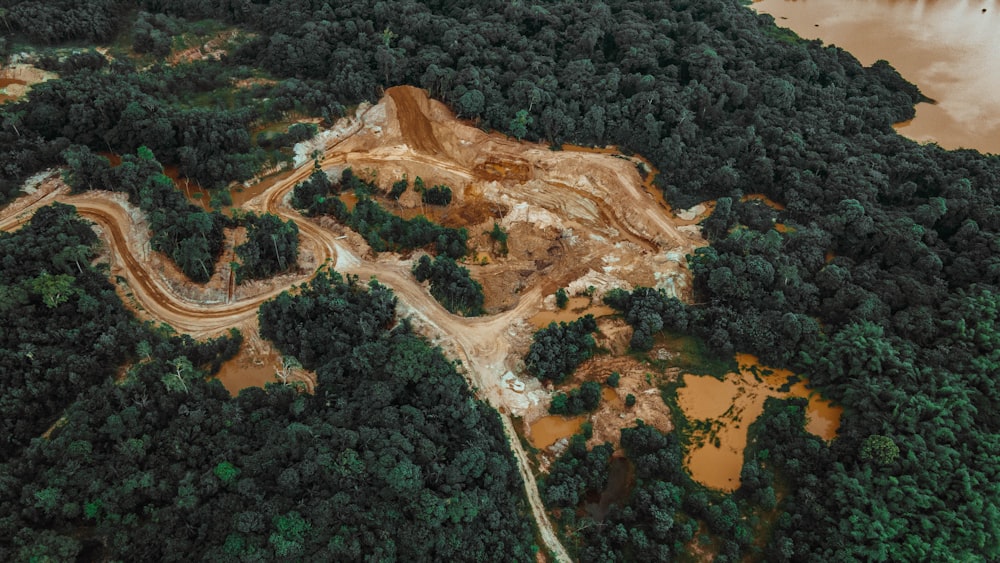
398,187
272,247
559,348
385,231
451,284
372,310
296,133
630,400
575,473
660,514
879,449
382,230
499,236
56,21
437,195
129,110
313,196
190,236
391,457
897,326
54,341
562,299
613,379
87,170
648,311
153,33
584,398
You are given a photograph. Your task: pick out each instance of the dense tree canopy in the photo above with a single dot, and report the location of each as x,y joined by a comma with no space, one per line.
383,230
189,235
392,456
450,284
559,348
49,291
880,284
272,246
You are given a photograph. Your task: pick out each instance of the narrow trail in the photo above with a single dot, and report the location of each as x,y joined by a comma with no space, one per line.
483,344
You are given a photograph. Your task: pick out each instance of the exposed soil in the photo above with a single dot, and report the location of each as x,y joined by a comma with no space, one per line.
576,219
16,80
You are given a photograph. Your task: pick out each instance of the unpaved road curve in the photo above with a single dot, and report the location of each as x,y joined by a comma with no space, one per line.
421,137
468,334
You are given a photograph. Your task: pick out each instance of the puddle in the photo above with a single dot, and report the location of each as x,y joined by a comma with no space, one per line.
610,397
248,370
722,411
576,308
550,429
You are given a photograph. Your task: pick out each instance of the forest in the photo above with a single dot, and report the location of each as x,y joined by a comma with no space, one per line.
881,286
390,458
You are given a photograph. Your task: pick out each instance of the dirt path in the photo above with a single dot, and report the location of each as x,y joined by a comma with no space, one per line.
478,335
416,129
592,207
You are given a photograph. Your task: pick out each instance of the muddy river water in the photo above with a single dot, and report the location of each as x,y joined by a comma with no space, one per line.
950,49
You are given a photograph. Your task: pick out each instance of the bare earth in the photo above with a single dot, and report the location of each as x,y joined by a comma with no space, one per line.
576,219
16,80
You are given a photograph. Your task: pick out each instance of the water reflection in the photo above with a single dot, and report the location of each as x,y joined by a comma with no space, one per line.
951,50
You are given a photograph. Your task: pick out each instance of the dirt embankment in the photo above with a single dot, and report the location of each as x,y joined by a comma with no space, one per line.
575,219
17,79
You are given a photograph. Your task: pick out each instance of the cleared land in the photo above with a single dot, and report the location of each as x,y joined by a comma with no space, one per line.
576,219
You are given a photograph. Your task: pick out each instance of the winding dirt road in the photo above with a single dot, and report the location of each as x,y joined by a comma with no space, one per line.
482,336
406,128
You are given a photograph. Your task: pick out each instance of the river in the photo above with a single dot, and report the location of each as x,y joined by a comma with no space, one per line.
949,49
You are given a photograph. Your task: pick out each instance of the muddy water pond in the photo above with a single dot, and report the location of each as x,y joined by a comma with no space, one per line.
4,83
951,50
721,411
550,429
576,308
248,370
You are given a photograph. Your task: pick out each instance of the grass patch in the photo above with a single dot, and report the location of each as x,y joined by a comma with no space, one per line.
690,355
783,34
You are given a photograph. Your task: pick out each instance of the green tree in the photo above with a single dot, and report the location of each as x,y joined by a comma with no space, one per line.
562,299
613,379
879,449
519,125
53,289
226,472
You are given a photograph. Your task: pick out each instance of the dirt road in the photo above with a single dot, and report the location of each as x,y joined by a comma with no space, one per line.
479,341
592,208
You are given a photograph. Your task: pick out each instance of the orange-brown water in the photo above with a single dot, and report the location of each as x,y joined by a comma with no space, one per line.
765,200
246,370
550,429
951,50
576,308
7,81
610,397
730,406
